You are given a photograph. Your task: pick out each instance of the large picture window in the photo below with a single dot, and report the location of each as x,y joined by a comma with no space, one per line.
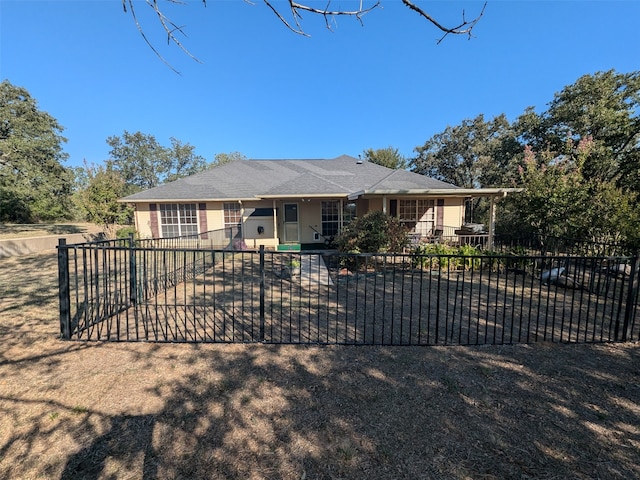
417,215
178,219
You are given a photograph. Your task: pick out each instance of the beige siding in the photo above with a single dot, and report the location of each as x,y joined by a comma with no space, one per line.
215,216
309,218
258,231
453,212
143,220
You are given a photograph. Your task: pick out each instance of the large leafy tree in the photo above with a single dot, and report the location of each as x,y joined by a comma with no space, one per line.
476,153
183,161
579,160
603,108
34,185
387,157
144,163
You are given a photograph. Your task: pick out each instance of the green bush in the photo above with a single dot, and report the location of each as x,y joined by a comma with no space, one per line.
124,232
440,256
375,232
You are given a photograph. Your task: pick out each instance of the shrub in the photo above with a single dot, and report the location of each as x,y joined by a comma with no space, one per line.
440,256
375,232
124,232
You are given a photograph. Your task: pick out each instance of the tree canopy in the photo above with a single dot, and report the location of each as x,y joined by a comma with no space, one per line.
34,185
222,158
579,160
559,200
603,108
144,163
387,157
474,154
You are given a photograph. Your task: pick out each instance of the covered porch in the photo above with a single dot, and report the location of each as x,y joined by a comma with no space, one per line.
432,224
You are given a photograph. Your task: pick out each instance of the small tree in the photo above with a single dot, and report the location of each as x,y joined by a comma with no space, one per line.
560,200
99,199
387,157
374,232
223,158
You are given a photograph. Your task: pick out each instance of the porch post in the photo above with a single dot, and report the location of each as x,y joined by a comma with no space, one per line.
492,221
275,221
384,204
241,219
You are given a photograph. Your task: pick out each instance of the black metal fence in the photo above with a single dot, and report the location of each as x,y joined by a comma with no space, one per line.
553,245
130,290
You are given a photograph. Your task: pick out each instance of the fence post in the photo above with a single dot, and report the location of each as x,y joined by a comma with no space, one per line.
631,297
63,289
133,281
262,293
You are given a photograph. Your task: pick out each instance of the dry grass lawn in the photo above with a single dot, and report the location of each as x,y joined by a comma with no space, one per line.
11,231
116,410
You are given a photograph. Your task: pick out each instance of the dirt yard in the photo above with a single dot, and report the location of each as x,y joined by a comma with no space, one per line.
12,230
117,410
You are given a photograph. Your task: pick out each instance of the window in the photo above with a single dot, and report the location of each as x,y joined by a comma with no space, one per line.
330,218
417,215
232,215
348,213
178,220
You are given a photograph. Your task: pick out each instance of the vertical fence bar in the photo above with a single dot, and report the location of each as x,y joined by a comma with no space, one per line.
133,281
631,304
63,289
262,293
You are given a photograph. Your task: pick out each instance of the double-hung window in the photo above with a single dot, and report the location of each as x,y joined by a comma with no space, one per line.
333,219
232,215
178,219
330,218
417,215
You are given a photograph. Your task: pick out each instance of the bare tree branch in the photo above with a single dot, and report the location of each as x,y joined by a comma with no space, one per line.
169,27
296,8
464,28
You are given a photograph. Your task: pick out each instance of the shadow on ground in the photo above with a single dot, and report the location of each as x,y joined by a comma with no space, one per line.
114,410
344,412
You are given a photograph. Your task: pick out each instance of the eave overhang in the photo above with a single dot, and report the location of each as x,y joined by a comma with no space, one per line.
439,192
187,200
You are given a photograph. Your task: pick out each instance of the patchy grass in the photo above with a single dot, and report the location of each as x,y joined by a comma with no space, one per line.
116,410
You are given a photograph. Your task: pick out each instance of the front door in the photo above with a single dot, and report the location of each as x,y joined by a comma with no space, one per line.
291,223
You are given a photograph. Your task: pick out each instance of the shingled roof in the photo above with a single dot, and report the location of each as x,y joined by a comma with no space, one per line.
253,179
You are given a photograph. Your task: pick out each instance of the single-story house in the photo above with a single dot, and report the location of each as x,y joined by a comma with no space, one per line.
276,202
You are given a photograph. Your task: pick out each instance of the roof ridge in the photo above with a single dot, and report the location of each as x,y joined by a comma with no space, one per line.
384,178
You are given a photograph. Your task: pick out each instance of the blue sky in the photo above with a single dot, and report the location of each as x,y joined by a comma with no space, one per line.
269,93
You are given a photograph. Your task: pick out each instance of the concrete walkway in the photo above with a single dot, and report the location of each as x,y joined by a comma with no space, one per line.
313,271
